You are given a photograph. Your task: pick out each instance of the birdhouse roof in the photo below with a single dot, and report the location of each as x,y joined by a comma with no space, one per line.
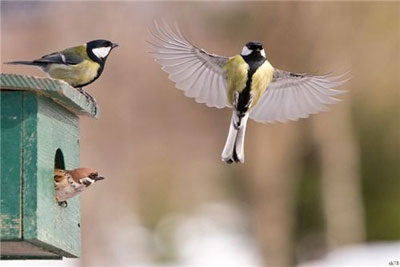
59,91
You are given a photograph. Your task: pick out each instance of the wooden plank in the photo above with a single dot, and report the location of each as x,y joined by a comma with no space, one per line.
59,91
39,118
29,164
24,250
48,127
58,129
10,180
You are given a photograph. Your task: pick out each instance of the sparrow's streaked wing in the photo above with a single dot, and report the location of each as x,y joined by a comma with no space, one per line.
291,96
197,73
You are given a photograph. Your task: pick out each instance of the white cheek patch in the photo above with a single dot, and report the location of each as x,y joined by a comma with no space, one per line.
246,51
262,53
87,180
101,52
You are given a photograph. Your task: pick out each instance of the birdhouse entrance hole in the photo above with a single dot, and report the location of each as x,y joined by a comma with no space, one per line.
59,160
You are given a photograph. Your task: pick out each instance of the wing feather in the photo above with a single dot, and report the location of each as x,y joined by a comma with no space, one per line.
203,96
199,74
291,96
67,57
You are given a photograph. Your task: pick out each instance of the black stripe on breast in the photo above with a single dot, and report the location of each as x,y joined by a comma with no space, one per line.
243,102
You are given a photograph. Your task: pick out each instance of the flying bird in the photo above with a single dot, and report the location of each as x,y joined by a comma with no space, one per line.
247,83
78,66
70,183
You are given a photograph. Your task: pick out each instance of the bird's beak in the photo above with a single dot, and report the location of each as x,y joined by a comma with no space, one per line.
114,45
98,178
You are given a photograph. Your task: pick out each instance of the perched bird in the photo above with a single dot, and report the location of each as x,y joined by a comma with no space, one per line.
78,66
248,83
70,183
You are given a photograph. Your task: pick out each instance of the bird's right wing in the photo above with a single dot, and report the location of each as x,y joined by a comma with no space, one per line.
199,74
291,96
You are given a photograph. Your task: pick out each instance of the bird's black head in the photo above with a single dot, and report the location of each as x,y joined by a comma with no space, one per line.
253,47
98,50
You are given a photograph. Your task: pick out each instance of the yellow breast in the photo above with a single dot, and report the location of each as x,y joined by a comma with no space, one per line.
261,78
75,75
236,70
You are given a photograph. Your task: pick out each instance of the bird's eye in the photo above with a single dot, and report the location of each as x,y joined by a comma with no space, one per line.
107,44
93,175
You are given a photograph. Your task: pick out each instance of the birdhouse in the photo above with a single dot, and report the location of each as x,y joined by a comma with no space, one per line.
39,132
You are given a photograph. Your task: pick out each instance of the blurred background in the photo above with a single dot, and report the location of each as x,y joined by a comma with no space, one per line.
323,191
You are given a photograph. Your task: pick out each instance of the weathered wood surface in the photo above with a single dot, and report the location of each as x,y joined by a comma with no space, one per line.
10,184
33,129
59,91
57,129
24,250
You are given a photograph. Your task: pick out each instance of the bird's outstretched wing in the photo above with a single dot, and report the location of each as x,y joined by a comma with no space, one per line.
199,74
291,96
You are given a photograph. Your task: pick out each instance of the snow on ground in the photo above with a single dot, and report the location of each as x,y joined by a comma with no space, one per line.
363,255
40,263
217,236
213,236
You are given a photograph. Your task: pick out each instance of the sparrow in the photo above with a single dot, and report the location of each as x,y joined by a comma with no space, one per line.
69,183
78,66
247,83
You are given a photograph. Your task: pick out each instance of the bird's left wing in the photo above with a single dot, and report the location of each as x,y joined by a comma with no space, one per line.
67,57
199,74
291,96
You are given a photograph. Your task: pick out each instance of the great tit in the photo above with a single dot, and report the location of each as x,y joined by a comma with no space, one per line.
78,66
248,83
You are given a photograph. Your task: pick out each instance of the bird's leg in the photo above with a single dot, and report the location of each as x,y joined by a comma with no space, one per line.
63,204
236,99
236,121
89,98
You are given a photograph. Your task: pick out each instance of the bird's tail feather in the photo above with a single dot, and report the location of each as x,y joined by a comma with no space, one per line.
33,63
234,146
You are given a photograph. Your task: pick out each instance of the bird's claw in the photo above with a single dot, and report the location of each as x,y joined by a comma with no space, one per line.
89,98
63,204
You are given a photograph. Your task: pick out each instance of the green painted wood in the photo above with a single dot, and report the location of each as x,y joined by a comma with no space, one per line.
42,128
29,164
48,127
58,90
10,182
35,126
57,129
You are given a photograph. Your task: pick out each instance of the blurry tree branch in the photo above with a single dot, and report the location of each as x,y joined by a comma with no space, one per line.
340,177
271,174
